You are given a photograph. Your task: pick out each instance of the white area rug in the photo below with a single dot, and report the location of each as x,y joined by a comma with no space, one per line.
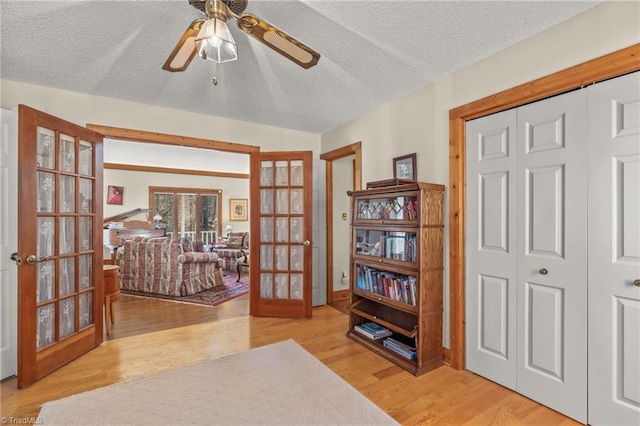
278,384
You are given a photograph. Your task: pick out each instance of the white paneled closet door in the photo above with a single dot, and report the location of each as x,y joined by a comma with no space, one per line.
8,243
491,247
614,251
526,251
552,253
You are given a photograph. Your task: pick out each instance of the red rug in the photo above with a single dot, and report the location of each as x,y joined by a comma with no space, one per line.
211,297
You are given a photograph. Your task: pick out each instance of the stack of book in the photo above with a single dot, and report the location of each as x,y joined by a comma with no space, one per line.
372,330
402,346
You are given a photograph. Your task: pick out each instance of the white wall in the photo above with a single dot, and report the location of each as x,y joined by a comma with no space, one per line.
419,122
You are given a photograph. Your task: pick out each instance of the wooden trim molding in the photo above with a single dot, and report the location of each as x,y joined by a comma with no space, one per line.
341,294
342,152
152,169
166,139
609,66
345,151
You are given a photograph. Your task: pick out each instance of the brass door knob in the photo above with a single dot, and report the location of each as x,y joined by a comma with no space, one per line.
636,283
543,271
32,258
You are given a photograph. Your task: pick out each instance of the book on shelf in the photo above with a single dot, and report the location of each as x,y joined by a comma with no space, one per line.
401,345
374,327
394,286
373,335
374,250
410,355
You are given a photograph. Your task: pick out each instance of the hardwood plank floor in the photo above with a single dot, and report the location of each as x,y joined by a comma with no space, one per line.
151,335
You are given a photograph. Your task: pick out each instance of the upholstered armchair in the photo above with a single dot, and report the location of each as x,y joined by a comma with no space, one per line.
231,251
167,267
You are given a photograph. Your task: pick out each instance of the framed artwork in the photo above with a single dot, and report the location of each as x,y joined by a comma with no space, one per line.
404,167
238,209
115,194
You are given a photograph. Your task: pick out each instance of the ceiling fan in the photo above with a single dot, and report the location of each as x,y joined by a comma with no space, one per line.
211,39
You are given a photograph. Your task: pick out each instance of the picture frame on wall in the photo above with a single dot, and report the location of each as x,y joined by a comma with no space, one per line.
115,194
404,167
238,209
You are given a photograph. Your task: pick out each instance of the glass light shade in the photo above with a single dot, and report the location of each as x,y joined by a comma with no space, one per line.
215,42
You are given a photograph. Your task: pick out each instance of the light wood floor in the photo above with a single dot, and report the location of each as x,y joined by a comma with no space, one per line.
150,336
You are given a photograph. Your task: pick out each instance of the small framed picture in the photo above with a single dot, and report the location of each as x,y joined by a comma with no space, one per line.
238,209
115,194
404,167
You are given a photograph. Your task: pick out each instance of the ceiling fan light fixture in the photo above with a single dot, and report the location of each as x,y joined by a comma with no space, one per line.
215,42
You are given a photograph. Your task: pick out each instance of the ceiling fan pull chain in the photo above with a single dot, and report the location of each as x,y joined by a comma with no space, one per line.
215,77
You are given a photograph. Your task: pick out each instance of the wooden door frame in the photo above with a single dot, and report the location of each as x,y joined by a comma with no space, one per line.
142,136
605,67
124,134
354,149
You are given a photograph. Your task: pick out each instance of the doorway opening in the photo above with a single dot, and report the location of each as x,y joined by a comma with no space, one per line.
353,150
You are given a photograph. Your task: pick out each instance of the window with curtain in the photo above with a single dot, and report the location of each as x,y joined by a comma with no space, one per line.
188,212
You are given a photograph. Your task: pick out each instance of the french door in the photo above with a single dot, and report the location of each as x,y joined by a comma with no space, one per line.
59,256
281,217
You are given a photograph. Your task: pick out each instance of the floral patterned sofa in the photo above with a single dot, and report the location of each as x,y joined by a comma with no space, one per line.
167,267
231,251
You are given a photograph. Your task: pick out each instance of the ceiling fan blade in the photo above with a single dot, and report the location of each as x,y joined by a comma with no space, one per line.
278,40
185,50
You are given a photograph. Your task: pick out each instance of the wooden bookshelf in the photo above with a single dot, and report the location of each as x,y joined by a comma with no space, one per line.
397,271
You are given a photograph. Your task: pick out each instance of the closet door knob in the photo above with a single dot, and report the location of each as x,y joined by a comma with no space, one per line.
636,283
543,271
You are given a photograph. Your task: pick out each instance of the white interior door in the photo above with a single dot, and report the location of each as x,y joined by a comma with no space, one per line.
526,251
318,242
8,243
491,247
614,251
552,253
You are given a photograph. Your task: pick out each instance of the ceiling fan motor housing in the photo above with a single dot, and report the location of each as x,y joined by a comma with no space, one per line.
236,6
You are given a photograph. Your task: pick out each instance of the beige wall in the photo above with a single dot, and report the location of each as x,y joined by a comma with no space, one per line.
86,109
136,192
83,109
416,123
419,122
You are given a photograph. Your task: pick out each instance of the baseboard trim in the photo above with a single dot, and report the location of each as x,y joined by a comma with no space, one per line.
340,294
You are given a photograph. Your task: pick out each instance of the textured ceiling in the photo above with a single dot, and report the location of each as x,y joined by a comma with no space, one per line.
372,52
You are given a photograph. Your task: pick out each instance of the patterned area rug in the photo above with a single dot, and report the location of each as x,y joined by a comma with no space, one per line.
211,297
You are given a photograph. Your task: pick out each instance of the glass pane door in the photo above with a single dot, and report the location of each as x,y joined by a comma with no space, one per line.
60,251
284,225
64,245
